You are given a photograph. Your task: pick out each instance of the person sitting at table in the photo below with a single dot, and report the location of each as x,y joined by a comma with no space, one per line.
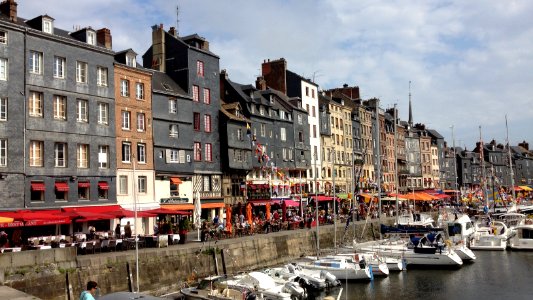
205,231
117,231
91,234
4,241
127,230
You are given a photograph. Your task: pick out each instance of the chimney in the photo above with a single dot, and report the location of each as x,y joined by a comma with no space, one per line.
524,145
275,74
172,31
158,48
260,83
9,9
103,37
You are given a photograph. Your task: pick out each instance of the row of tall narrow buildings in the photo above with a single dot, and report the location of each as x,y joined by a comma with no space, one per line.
83,124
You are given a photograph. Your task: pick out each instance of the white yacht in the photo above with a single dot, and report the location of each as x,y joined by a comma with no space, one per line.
416,219
266,287
308,279
490,235
460,231
379,267
523,238
341,266
213,288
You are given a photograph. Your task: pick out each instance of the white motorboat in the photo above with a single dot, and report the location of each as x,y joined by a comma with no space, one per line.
523,238
460,231
308,279
512,220
213,288
379,267
266,287
341,266
392,261
492,235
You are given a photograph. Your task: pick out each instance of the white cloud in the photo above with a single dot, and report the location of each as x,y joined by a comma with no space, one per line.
469,61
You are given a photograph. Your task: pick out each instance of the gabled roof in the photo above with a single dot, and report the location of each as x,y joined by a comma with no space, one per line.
301,78
226,109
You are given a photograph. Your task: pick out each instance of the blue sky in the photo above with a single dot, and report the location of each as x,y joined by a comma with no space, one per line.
469,62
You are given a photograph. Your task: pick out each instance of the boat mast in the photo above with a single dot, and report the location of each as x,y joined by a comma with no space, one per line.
456,187
510,160
316,208
396,162
378,160
334,209
482,162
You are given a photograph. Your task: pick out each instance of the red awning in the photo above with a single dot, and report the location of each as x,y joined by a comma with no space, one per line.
38,186
103,185
84,184
175,180
164,211
34,218
62,186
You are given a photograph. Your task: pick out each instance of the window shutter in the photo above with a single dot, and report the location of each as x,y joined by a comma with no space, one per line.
182,156
167,155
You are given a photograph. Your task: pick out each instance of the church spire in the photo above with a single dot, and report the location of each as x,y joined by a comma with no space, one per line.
410,108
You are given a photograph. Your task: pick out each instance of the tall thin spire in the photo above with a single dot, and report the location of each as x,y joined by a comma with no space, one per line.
177,18
410,107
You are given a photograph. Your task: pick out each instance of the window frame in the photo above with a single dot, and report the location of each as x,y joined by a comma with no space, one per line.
126,152
3,37
36,153
4,68
3,152
124,88
82,111
35,62
208,152
207,96
103,149
197,151
101,76
82,156
3,108
103,113
81,71
125,118
173,130
123,184
35,104
207,123
139,91
60,107
60,155
141,122
142,183
141,153
195,93
200,71
172,106
196,121
59,67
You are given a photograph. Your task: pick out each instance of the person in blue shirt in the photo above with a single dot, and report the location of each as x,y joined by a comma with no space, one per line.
92,288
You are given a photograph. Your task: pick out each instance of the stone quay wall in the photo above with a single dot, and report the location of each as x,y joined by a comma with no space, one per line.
45,273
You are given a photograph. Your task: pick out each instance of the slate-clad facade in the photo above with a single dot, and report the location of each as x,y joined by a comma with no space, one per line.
61,120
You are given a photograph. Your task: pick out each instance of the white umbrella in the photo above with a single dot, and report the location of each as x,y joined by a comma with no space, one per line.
197,213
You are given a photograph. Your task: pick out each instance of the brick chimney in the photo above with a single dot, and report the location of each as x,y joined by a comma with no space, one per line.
524,145
260,83
172,31
9,8
103,37
275,74
158,48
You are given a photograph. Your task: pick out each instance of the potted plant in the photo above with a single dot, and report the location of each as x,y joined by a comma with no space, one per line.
183,227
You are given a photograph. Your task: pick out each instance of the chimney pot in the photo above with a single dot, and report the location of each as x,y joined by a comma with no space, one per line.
9,8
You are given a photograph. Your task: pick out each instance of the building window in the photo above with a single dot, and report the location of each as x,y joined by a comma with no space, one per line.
126,152
3,37
3,152
307,93
240,135
81,72
103,113
83,156
60,107
172,156
103,157
126,120
173,130
237,155
172,106
312,93
36,153
197,151
200,68
61,191
208,152
101,76
36,62
84,190
207,183
314,131
207,123
91,38
60,151
124,88
313,109
3,69
261,110
37,191
195,93
283,134
131,60
47,26
141,124
82,111
139,91
207,96
300,121
263,130
3,109
196,120
35,104
300,137
59,67
141,153
141,184
123,184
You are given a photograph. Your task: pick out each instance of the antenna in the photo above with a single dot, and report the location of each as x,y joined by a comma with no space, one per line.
177,18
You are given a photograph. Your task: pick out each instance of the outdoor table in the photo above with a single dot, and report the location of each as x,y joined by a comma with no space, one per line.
80,236
173,239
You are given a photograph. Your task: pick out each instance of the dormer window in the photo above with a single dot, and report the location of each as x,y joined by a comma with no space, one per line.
91,38
131,61
48,26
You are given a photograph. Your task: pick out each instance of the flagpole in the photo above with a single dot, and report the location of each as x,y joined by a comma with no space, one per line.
510,160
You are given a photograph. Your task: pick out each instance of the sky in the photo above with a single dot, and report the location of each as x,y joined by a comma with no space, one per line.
467,64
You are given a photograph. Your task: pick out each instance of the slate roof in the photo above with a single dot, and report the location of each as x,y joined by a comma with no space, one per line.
163,84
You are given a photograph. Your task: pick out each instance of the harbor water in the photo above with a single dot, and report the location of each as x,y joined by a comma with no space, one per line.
494,275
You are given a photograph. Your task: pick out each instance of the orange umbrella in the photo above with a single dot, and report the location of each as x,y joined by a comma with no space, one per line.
228,218
249,213
268,211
